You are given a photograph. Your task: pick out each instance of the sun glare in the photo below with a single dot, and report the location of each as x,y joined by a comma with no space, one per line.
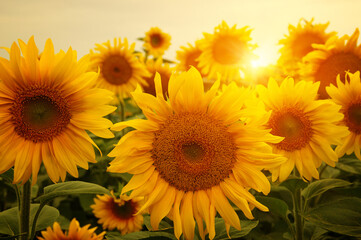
265,57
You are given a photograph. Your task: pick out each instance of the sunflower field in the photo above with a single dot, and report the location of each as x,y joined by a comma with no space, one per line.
127,144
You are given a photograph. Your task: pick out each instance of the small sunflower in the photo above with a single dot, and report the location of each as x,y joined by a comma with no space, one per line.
335,57
156,42
47,103
227,51
188,56
121,69
164,70
309,127
194,152
118,212
348,95
299,43
75,232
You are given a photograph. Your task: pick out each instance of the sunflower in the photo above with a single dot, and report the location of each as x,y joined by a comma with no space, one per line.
227,51
188,56
309,127
194,152
156,42
75,232
163,69
335,57
299,43
348,95
114,212
121,69
47,103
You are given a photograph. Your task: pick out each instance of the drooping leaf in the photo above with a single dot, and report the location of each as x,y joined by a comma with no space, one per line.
71,188
221,233
293,184
349,164
9,219
140,235
8,175
320,186
341,216
275,205
163,225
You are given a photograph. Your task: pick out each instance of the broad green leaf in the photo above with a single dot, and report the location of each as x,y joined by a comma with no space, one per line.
140,235
221,233
342,216
9,219
71,188
320,186
293,184
63,222
275,205
349,164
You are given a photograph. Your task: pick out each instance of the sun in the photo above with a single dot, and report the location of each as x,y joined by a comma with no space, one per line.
190,156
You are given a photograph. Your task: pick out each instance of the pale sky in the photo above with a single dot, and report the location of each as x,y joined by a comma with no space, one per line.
82,23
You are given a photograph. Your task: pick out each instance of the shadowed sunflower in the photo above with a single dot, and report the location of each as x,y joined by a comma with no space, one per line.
46,105
335,57
299,43
75,232
187,57
309,127
156,42
348,95
114,212
164,71
227,51
193,154
121,68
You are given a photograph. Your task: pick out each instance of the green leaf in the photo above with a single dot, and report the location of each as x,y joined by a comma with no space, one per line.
221,233
275,205
341,216
71,188
140,235
8,175
318,187
348,164
9,219
293,184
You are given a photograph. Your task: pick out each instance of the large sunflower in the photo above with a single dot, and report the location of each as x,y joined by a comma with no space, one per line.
164,70
348,95
118,212
193,153
227,51
299,42
156,42
121,69
75,232
309,127
47,103
335,57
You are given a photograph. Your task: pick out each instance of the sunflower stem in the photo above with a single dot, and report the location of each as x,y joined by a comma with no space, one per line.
25,211
297,208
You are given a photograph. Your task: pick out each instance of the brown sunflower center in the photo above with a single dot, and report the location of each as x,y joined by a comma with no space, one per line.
191,59
151,87
293,125
353,117
156,40
193,151
228,50
336,64
39,113
116,70
125,210
303,44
